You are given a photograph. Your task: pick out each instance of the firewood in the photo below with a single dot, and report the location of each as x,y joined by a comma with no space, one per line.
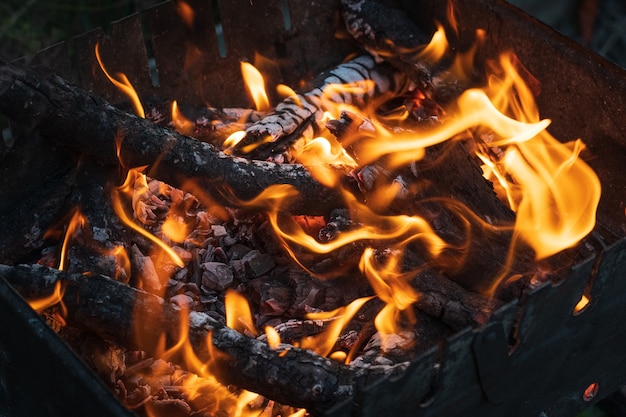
301,114
87,124
113,310
391,35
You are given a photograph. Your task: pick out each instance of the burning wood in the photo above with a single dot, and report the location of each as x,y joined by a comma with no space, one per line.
395,207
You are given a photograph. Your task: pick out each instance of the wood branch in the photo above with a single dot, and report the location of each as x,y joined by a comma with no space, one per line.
301,115
85,123
114,310
391,35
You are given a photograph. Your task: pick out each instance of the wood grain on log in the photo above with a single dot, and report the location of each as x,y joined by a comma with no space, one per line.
85,123
113,311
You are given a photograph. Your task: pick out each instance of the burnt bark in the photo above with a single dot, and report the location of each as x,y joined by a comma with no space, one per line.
390,34
84,123
113,311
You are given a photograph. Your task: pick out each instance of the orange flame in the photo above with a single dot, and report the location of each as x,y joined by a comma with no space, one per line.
273,338
180,122
118,207
186,13
392,287
436,48
123,84
77,221
55,298
255,85
238,314
323,343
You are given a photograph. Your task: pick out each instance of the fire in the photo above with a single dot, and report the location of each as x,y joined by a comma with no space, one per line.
238,315
76,222
256,86
186,13
324,160
552,190
123,84
392,287
46,302
180,122
323,343
133,177
436,48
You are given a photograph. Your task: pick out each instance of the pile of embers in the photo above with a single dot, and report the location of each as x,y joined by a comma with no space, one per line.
231,285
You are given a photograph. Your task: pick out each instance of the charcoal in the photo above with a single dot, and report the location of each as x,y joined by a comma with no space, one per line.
216,276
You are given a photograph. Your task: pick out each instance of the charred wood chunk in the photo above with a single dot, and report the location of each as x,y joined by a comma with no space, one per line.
301,115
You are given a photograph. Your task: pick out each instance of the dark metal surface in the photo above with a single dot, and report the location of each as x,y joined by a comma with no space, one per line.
551,353
39,374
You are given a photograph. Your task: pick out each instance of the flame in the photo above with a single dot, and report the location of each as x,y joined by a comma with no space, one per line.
175,228
323,343
273,338
324,161
554,192
123,84
255,85
436,48
186,13
77,221
582,304
135,176
56,297
234,138
181,123
392,287
238,314
451,16
287,92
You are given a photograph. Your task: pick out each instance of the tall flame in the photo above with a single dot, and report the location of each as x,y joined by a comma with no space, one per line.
256,85
123,84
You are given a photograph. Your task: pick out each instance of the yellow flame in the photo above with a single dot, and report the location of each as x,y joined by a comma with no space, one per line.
324,162
180,122
273,338
582,304
123,84
120,211
436,48
175,229
234,138
554,192
323,343
238,314
287,92
255,85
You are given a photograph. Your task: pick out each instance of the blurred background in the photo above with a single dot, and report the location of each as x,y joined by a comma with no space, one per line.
29,25
598,24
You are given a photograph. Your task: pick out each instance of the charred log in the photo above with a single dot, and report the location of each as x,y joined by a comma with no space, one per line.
92,127
113,311
301,115
391,35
